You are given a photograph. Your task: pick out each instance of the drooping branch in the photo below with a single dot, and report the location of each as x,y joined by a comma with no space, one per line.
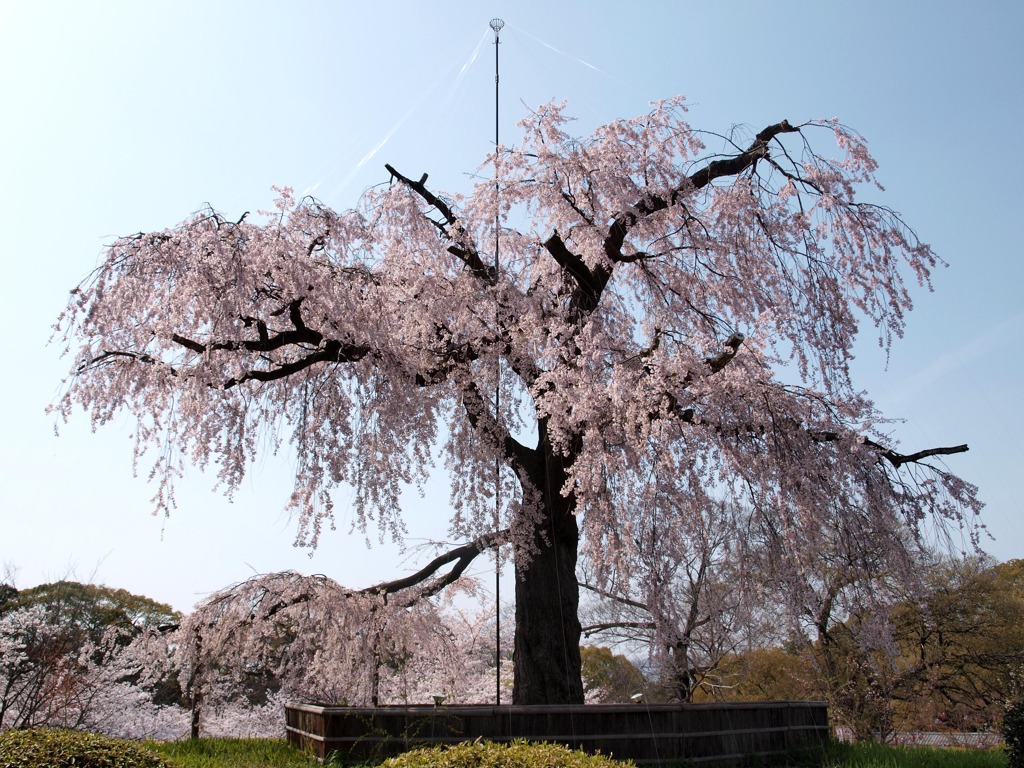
734,166
332,352
591,282
111,355
894,457
426,579
460,247
898,459
716,169
300,337
265,343
461,556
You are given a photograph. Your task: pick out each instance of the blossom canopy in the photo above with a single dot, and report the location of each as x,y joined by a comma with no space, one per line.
664,325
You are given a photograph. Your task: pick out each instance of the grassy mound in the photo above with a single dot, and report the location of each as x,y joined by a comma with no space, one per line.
51,748
485,754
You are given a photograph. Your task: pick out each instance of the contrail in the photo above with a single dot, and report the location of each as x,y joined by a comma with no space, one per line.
566,55
409,113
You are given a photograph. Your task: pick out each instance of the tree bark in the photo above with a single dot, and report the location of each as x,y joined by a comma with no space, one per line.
196,687
546,654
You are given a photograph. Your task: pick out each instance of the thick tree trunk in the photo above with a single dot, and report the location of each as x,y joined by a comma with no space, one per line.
546,656
195,687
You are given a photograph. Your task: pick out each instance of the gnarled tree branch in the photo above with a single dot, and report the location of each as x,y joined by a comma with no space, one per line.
461,556
460,247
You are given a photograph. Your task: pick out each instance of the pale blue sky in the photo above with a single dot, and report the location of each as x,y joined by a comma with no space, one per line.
120,117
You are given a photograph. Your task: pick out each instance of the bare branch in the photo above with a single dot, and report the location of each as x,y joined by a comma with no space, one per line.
593,629
460,248
460,556
896,458
612,596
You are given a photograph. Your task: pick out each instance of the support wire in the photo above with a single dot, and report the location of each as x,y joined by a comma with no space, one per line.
496,25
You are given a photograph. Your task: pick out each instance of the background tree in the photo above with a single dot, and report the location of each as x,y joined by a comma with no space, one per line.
689,599
772,673
61,649
840,599
665,320
610,678
283,636
91,609
960,646
941,650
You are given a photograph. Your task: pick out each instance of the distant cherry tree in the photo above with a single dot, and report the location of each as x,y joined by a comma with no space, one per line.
693,594
283,636
619,327
67,659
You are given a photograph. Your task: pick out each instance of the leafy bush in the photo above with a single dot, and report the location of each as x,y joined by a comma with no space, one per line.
1013,734
486,754
51,748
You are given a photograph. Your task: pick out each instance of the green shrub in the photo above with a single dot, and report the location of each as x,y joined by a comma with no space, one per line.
51,748
1013,734
486,754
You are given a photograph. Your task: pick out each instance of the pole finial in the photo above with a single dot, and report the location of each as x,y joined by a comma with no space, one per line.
496,25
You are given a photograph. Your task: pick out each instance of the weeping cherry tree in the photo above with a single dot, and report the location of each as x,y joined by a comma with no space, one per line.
666,326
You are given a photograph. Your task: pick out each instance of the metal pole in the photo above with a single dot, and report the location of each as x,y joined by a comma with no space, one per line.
496,25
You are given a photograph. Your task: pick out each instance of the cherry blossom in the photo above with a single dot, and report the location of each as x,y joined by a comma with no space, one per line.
667,324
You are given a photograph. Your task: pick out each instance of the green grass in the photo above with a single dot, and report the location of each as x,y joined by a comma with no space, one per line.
275,753
233,753
869,755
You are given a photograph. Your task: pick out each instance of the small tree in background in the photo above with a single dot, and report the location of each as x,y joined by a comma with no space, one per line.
688,599
762,674
610,678
280,636
961,645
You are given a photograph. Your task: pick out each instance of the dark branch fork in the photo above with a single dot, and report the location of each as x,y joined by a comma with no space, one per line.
460,247
461,556
591,282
